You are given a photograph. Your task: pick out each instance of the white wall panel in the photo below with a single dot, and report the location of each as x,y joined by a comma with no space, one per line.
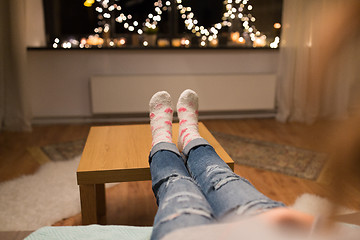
60,79
131,94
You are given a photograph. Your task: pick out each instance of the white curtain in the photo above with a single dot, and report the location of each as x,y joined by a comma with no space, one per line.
35,24
15,110
319,59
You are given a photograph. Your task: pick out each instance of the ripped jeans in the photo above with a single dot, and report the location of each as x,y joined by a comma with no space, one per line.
198,188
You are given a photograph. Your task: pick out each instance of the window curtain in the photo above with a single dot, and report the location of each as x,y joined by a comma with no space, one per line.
15,109
319,60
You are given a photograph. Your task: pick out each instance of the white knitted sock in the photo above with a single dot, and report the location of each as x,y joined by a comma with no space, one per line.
187,110
161,115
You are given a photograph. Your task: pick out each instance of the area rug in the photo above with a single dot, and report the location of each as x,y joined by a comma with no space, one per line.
33,201
318,206
270,156
64,151
274,157
57,152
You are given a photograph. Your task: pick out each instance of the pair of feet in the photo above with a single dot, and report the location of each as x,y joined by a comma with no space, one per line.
161,116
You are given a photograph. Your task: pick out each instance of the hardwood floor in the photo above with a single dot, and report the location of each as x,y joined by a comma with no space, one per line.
134,204
15,159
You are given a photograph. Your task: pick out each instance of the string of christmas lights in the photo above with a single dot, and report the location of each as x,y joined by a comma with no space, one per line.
237,18
235,11
106,10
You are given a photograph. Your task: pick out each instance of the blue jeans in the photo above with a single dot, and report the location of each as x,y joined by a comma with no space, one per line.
197,187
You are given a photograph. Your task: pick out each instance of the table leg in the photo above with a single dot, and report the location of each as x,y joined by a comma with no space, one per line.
100,203
93,208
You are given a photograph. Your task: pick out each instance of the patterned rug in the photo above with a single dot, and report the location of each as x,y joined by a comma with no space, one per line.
57,152
273,157
244,151
64,151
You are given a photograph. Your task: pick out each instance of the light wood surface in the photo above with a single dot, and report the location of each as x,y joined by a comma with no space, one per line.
88,204
120,153
15,157
93,204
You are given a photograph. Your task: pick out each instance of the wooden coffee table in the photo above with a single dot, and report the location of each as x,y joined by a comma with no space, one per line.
120,154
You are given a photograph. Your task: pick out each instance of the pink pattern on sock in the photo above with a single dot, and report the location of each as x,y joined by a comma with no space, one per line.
182,109
152,115
158,134
193,115
187,142
158,106
168,123
157,128
168,110
168,132
182,132
158,118
185,137
197,112
183,121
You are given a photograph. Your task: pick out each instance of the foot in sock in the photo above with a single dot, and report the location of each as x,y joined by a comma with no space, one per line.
187,110
161,115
